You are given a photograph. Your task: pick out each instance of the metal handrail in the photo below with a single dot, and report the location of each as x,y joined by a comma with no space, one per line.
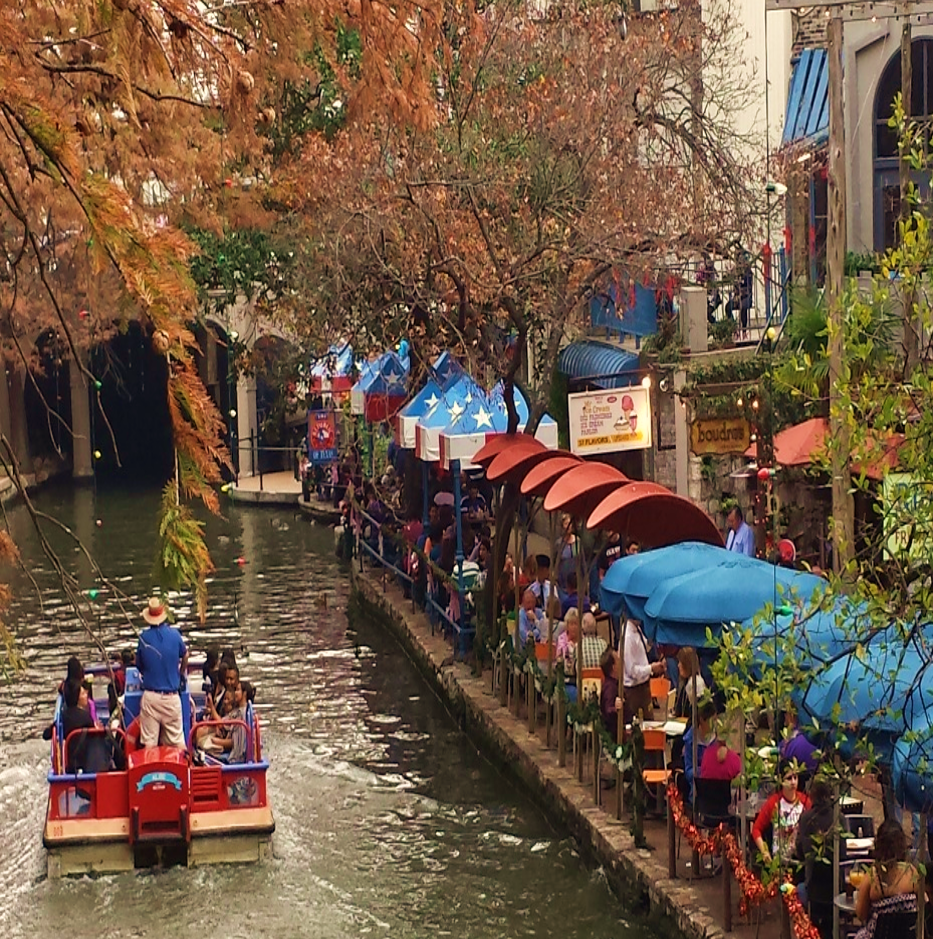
361,542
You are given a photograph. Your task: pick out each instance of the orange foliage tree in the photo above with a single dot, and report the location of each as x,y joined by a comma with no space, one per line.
568,145
123,120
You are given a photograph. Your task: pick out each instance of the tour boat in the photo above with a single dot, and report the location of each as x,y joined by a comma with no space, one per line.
163,808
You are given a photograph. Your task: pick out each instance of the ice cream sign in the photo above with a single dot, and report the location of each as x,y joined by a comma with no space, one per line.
607,421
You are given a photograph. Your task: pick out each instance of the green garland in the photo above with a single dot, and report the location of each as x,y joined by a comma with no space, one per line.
580,715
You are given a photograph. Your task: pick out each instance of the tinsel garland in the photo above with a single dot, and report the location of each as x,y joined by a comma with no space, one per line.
753,891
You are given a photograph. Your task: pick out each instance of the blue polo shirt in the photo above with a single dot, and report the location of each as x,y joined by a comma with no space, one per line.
158,658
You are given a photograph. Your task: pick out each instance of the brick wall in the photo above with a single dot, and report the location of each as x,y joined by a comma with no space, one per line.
809,31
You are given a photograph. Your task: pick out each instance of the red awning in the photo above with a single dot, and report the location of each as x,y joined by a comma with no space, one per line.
543,475
513,463
492,448
582,488
805,443
798,445
654,516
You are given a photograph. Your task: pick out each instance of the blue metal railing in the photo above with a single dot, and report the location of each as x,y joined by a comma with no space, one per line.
374,547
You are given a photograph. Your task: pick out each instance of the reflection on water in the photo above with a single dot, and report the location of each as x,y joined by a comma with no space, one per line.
388,821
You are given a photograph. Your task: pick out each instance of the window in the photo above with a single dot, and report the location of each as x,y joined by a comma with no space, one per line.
887,189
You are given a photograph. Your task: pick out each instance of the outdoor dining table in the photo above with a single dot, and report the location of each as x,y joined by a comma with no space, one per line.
849,805
845,903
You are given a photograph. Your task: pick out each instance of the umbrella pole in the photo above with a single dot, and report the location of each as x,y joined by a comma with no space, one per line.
516,566
425,485
455,466
620,717
696,769
836,884
550,635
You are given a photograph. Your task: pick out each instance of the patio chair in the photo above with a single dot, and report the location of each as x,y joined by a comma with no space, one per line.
656,779
660,690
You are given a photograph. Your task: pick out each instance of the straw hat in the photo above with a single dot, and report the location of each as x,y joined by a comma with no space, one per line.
155,612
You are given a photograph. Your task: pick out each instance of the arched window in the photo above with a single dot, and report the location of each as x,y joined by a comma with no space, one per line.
887,185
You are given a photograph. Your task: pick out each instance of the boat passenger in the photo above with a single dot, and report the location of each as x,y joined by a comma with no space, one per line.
161,658
85,754
235,742
210,674
74,671
887,897
231,679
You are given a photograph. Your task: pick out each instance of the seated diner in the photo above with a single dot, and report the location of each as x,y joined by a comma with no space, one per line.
781,815
887,897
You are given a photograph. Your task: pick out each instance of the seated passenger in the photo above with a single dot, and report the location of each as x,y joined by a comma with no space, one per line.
234,744
75,672
84,753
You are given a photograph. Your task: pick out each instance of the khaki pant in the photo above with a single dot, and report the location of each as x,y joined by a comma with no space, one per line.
160,712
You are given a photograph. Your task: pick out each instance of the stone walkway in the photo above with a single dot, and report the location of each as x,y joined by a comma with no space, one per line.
280,488
639,877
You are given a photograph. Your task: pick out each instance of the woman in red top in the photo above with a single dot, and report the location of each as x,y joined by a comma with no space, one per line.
782,812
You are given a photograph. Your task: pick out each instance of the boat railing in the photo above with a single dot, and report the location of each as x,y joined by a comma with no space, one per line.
116,734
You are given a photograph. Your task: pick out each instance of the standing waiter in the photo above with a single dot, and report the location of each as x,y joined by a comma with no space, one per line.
161,657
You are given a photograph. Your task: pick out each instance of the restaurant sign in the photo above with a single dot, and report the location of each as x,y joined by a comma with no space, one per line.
724,435
609,421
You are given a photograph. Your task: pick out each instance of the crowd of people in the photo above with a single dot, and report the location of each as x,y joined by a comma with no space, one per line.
160,659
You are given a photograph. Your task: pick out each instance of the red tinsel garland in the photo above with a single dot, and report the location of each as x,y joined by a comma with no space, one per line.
753,891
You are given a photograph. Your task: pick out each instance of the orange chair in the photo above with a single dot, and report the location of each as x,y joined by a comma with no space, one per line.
591,685
660,689
656,742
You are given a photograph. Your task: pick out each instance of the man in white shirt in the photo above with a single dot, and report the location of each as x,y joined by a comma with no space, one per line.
741,538
637,672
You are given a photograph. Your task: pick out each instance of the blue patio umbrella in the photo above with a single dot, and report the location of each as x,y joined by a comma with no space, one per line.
732,591
868,687
912,770
820,635
632,579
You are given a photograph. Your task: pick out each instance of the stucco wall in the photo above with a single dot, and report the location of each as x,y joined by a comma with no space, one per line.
868,48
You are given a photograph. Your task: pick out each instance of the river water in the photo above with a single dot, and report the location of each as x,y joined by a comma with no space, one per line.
388,822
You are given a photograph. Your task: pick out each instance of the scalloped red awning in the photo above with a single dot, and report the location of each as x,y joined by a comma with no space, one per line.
513,463
543,475
492,448
582,488
654,516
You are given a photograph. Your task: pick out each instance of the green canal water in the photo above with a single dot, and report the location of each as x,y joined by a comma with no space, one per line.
388,821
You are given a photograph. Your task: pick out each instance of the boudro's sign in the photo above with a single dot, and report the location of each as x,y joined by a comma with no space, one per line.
726,435
608,421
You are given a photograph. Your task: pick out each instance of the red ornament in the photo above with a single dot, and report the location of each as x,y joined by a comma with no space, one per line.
228,182
764,473
83,314
241,561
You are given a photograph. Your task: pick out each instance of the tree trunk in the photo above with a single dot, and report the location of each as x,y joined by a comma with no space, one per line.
843,529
